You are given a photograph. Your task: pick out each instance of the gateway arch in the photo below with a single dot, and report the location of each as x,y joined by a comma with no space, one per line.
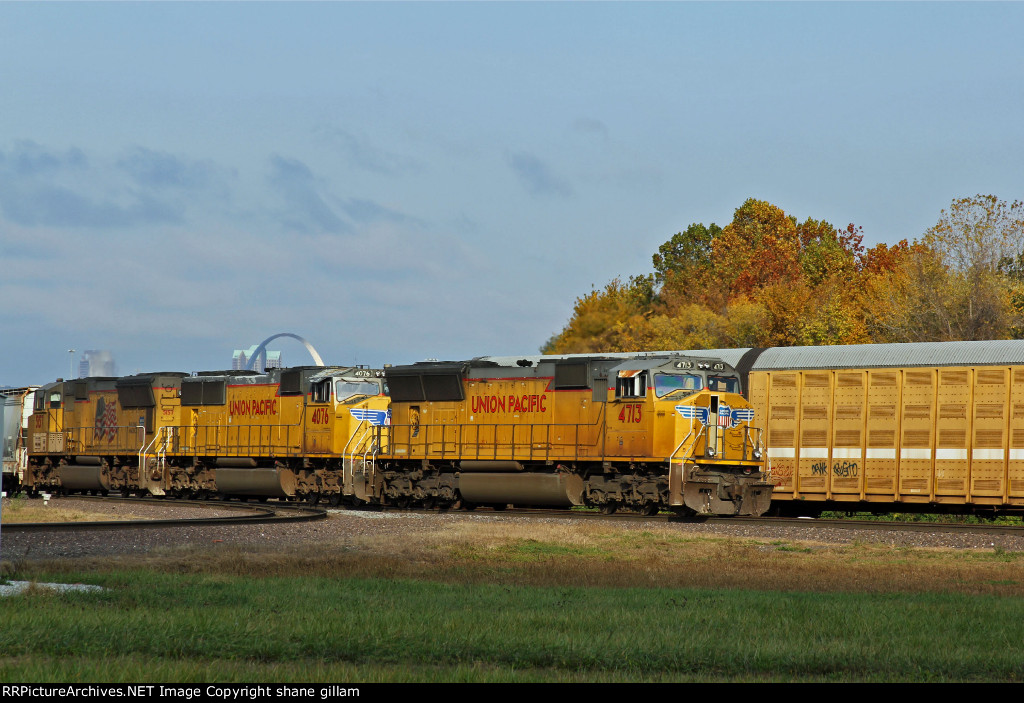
261,350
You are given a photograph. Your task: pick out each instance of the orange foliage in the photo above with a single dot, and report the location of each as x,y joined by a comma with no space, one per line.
766,279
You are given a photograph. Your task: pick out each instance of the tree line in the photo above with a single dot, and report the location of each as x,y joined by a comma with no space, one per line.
766,280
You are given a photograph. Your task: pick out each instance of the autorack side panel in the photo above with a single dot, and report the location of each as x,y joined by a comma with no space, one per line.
953,420
883,433
1015,443
988,435
815,425
846,462
781,410
917,434
936,428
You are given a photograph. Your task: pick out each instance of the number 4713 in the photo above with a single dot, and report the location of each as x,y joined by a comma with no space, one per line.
631,412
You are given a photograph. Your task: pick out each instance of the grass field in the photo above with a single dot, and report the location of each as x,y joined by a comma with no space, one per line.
534,602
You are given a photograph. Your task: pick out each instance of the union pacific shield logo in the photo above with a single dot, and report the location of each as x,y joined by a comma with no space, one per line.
374,417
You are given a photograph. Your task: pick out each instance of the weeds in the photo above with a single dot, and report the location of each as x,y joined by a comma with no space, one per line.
524,602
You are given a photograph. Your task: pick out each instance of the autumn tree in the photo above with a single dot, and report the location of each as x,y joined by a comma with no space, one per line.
602,320
768,279
959,281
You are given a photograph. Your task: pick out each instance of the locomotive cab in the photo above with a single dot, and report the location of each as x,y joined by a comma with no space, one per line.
45,438
690,410
344,405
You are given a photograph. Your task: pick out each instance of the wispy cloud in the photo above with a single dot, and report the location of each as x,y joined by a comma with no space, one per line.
306,210
310,206
536,176
362,153
590,126
161,170
27,159
41,186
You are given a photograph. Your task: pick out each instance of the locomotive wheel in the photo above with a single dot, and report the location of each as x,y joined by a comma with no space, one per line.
609,508
333,499
648,509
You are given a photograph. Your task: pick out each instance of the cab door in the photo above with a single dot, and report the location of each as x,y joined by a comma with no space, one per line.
319,417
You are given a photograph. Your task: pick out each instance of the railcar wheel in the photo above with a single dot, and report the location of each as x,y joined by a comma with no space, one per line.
333,499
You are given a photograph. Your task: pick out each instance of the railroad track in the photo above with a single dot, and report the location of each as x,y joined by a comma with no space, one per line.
247,514
797,523
272,512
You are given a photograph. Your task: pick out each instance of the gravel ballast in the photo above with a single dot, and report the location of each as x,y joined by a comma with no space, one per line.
345,525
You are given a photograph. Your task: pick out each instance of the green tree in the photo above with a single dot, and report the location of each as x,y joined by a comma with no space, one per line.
687,251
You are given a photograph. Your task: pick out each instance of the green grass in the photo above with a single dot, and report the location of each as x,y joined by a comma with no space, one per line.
1007,520
150,626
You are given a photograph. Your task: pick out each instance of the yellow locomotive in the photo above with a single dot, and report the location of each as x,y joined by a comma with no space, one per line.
283,434
637,432
288,434
643,433
87,434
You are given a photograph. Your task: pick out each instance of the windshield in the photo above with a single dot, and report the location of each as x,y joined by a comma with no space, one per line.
724,383
343,390
670,383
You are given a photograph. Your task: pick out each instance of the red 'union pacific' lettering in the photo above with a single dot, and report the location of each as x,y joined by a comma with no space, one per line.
253,408
512,403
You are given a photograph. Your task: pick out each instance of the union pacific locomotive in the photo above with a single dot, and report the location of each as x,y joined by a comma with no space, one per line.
641,432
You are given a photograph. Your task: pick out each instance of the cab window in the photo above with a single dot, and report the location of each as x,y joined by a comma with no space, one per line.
724,384
345,390
670,383
631,384
320,392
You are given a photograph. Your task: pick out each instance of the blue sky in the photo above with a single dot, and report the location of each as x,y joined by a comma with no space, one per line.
398,181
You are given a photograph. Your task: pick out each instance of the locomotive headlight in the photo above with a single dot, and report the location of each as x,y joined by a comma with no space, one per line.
757,454
710,452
